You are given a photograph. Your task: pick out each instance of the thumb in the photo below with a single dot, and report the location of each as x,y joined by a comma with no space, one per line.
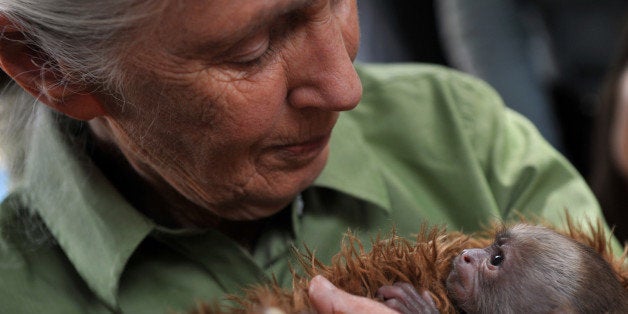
328,299
322,294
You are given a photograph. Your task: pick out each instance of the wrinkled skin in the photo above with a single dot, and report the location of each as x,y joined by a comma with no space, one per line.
231,104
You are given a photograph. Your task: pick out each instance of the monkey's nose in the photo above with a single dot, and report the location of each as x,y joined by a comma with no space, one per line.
466,257
473,256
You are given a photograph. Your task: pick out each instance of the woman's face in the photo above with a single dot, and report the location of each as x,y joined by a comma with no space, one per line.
232,102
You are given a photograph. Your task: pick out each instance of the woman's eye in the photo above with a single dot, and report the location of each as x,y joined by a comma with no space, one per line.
497,259
253,54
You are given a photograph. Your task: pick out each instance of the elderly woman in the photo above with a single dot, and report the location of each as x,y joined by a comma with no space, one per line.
165,152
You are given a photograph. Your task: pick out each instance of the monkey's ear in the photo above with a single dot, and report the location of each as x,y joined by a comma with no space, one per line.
28,67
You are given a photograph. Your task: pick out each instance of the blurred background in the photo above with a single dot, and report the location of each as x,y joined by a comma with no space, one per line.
3,180
546,58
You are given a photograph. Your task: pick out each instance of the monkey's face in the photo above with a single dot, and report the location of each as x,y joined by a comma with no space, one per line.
526,268
474,269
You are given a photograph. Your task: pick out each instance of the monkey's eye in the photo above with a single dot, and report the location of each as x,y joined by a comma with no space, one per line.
497,259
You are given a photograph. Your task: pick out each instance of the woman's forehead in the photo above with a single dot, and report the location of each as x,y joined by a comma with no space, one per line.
215,23
223,16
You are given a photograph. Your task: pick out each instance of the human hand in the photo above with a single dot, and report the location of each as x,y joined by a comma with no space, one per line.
328,299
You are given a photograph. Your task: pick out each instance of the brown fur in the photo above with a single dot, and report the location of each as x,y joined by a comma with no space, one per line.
425,262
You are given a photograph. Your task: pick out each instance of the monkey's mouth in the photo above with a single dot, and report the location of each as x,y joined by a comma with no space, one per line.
453,282
458,286
457,291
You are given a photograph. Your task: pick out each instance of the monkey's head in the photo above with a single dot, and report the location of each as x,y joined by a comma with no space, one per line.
534,269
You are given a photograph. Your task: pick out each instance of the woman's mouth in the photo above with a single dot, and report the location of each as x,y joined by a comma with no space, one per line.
308,148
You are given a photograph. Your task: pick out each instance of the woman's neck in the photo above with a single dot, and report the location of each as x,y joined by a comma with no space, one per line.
159,201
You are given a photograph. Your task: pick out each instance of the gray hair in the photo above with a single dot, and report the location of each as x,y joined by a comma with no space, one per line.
85,41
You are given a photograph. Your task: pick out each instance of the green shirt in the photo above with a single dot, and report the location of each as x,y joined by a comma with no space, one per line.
425,144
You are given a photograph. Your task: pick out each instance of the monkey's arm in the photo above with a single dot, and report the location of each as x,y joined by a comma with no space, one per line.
404,298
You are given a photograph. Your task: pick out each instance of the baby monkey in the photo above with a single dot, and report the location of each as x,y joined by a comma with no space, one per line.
526,269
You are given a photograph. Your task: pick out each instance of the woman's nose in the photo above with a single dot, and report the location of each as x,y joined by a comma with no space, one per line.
321,72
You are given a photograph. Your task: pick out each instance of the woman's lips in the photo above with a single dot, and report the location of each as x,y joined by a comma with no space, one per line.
309,147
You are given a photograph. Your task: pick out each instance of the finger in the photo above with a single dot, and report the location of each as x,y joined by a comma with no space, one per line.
390,292
403,297
397,305
428,298
409,290
413,300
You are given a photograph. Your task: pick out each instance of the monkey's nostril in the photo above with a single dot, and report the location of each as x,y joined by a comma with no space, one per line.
465,257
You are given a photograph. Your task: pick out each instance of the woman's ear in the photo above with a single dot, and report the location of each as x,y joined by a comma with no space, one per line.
30,68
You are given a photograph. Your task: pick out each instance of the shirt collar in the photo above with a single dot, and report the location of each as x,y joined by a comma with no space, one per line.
94,225
353,168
